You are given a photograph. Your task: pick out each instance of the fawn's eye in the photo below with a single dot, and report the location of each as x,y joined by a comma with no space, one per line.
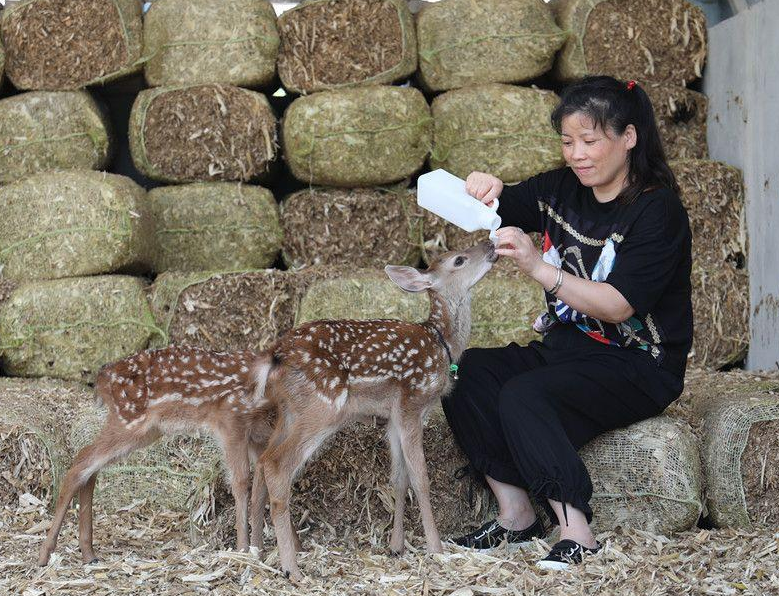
459,261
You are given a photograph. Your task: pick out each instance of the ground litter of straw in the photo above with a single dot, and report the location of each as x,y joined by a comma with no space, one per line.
147,551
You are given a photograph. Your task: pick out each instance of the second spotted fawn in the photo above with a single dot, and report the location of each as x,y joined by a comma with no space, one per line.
167,391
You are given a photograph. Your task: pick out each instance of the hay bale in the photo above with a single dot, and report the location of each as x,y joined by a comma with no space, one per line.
359,227
69,328
655,40
357,137
177,473
503,309
681,120
646,476
325,44
499,129
69,44
34,452
462,42
228,310
362,294
214,225
65,224
713,195
201,41
43,130
739,459
202,133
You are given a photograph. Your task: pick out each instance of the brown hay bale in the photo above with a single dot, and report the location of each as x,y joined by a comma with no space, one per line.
177,473
33,445
646,476
357,137
325,44
681,120
69,44
470,43
739,459
504,309
214,225
202,133
44,130
65,224
655,40
359,227
228,310
201,41
69,328
713,195
499,129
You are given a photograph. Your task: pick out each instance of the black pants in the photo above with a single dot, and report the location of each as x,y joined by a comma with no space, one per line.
520,414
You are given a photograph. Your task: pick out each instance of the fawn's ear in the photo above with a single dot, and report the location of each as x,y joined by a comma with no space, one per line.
408,278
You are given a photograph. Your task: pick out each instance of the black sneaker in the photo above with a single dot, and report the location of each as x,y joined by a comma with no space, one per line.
564,554
492,534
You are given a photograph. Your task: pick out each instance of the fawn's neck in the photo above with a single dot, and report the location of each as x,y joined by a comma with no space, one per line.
451,315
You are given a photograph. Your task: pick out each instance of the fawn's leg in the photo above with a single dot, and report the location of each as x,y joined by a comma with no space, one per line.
237,459
400,485
112,443
287,453
259,497
85,495
411,442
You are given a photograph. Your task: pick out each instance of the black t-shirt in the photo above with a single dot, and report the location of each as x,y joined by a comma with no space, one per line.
643,249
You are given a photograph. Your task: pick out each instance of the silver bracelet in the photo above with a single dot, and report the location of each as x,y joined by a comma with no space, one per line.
558,283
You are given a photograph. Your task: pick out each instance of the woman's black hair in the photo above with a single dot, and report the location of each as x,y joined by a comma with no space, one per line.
612,105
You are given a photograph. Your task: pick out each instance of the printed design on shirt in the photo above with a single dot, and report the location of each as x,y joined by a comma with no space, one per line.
593,327
549,210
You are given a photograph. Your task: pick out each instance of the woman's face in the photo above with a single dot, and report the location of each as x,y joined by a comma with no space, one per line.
600,160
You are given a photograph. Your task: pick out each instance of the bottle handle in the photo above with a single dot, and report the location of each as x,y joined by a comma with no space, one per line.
495,204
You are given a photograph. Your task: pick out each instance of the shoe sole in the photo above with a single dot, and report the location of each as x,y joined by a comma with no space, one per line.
553,565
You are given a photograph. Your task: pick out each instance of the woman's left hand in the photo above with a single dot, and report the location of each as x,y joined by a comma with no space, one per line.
514,243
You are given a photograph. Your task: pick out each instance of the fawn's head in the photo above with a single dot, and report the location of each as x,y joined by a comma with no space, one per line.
451,273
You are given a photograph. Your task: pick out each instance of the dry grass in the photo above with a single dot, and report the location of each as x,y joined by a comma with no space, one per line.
146,551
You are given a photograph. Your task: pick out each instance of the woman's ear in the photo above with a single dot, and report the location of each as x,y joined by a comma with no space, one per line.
631,137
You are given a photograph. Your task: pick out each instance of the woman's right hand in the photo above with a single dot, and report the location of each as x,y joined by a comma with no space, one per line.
484,187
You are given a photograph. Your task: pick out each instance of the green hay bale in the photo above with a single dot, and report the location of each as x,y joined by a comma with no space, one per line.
34,452
65,224
69,328
504,309
713,194
201,41
359,227
739,458
177,473
646,476
363,294
202,133
2,61
59,130
681,120
647,40
214,225
499,129
325,44
462,42
357,137
68,44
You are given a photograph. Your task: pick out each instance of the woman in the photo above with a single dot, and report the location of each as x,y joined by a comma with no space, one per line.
615,271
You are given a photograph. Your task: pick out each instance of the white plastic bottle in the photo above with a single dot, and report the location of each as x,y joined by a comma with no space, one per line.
444,194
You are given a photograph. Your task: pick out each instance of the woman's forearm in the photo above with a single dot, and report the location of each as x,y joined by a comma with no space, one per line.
595,299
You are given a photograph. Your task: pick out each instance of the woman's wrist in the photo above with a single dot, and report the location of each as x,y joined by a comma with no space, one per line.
545,274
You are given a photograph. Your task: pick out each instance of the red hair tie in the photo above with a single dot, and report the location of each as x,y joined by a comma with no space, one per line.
631,84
